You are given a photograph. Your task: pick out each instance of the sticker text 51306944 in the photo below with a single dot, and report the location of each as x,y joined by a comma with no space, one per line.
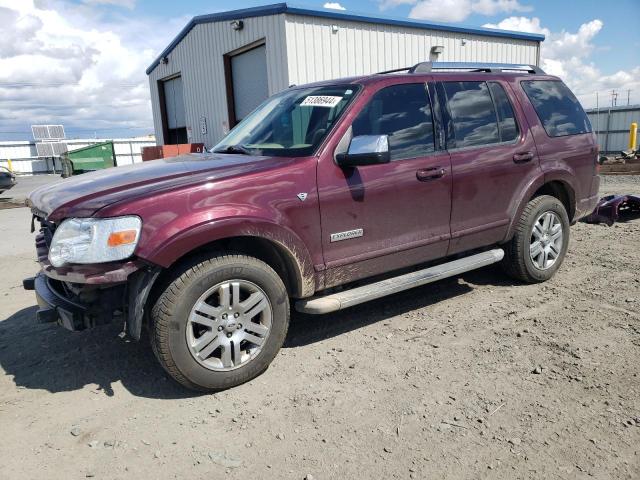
328,101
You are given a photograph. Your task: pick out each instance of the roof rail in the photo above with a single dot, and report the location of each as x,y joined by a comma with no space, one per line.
428,67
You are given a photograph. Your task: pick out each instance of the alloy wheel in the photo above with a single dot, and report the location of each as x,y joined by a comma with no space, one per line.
228,325
546,240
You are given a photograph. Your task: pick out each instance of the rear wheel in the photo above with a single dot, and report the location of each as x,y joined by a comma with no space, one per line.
220,321
540,242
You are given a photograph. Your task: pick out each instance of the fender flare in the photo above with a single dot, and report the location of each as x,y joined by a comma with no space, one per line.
555,176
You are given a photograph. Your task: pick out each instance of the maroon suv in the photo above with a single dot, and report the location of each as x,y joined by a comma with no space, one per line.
375,184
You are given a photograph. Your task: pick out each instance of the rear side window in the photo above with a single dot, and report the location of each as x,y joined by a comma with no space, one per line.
558,109
506,119
474,116
402,112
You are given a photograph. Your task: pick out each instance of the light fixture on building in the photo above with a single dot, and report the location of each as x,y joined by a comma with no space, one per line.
164,60
237,25
435,52
463,42
335,28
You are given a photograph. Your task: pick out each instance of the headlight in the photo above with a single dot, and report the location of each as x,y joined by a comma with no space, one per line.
94,240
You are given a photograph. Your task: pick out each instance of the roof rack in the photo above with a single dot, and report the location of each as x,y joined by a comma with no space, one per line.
428,67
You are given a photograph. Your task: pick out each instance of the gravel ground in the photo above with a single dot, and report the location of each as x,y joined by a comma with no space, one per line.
472,377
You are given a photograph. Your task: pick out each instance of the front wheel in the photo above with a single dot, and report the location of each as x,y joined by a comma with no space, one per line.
220,321
540,242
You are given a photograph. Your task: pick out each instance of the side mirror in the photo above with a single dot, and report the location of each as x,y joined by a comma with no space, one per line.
365,150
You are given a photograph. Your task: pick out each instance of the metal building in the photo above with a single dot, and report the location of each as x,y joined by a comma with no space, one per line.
221,66
612,126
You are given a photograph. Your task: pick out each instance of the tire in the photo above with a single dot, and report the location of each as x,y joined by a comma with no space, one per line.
178,337
518,262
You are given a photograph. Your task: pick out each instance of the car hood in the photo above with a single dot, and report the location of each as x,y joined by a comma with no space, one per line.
84,194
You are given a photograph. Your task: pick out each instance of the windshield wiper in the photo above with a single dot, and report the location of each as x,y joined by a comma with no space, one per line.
241,149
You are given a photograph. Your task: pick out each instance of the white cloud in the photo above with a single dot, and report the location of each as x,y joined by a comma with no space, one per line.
130,4
66,63
569,56
455,10
386,4
441,10
333,6
493,7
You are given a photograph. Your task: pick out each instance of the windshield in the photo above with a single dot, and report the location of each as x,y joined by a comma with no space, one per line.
290,124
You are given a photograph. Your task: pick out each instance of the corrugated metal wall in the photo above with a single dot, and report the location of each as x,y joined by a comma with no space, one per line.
613,132
199,59
303,49
316,53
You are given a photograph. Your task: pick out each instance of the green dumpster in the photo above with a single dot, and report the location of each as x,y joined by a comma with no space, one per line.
88,159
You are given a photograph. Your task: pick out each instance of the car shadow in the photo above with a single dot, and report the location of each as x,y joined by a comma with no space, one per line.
48,357
306,329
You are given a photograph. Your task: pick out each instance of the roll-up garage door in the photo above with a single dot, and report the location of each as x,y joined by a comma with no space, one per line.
176,124
250,83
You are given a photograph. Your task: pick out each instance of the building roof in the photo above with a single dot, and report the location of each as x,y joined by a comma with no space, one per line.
279,8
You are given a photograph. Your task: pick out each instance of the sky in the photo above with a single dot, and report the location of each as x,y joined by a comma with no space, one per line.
82,63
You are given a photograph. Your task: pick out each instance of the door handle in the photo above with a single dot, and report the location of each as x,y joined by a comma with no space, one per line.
522,157
427,174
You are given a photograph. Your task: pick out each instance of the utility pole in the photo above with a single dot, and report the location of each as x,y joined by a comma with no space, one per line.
628,97
597,114
614,98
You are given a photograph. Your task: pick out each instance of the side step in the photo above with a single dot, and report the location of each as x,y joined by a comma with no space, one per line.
356,296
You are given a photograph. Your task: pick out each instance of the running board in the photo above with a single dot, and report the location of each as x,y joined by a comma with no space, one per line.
356,296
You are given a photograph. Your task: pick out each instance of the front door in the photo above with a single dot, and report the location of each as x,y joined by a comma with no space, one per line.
378,218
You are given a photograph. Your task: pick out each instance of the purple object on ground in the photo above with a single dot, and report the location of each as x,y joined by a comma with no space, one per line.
613,207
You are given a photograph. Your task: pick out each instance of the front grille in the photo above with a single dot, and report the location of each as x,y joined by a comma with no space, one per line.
43,239
39,214
42,248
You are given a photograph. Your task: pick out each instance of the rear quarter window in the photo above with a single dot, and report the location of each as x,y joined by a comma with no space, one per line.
557,108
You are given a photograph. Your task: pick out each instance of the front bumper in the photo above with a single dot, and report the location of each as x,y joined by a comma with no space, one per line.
74,310
81,306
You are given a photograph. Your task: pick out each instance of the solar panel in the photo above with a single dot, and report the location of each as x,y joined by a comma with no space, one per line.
44,149
56,132
59,148
51,149
48,132
40,132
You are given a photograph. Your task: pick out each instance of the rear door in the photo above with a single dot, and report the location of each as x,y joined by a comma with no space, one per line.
378,218
493,159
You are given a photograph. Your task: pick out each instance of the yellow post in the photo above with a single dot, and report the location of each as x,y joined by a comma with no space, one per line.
633,136
9,163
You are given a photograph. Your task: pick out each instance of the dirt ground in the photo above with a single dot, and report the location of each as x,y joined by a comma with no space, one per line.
433,383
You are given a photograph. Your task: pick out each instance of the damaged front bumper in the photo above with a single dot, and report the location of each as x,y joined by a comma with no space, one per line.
79,306
54,307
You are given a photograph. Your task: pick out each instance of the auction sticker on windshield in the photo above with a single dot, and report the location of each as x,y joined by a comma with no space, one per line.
321,101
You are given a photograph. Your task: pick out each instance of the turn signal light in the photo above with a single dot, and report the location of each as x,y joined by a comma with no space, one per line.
122,238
